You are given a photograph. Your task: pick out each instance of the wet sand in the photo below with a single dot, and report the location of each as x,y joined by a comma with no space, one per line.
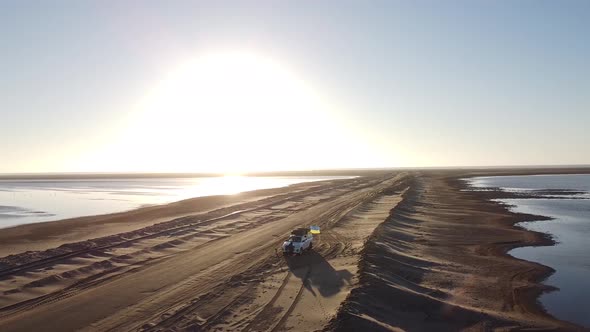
398,251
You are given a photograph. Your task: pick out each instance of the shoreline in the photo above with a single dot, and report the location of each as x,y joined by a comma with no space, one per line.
108,189
46,235
532,293
503,170
564,291
450,280
124,175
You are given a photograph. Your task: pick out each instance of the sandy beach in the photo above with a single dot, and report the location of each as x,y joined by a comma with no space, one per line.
401,250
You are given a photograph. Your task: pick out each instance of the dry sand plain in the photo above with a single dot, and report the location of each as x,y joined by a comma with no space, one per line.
398,251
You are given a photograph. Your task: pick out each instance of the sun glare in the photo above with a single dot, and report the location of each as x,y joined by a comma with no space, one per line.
229,113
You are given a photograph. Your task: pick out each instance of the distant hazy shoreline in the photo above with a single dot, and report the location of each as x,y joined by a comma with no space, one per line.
52,199
491,170
62,176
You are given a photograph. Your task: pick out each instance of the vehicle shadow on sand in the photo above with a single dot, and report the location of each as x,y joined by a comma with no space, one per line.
316,273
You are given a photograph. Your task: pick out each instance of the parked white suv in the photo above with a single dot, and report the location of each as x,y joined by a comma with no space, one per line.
300,240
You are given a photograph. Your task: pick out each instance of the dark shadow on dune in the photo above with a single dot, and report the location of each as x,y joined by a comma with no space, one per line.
316,272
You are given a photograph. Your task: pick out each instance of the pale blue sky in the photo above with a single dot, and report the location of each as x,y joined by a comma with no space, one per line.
417,83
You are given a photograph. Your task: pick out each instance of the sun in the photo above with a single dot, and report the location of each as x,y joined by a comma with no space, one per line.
232,112
229,112
225,87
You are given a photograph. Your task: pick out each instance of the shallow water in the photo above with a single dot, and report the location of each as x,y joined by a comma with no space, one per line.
32,201
570,227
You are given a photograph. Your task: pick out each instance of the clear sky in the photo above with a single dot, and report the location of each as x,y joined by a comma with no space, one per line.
215,86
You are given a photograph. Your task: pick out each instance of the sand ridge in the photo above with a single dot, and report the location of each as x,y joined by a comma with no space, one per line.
439,263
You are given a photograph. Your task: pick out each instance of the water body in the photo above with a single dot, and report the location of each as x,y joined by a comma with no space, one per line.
41,200
570,227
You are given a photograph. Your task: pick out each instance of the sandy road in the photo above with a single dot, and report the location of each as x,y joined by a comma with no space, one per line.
216,271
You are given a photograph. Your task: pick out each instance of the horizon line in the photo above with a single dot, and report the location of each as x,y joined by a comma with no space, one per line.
281,172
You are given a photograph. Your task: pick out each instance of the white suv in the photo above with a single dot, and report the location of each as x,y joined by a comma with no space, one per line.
300,240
